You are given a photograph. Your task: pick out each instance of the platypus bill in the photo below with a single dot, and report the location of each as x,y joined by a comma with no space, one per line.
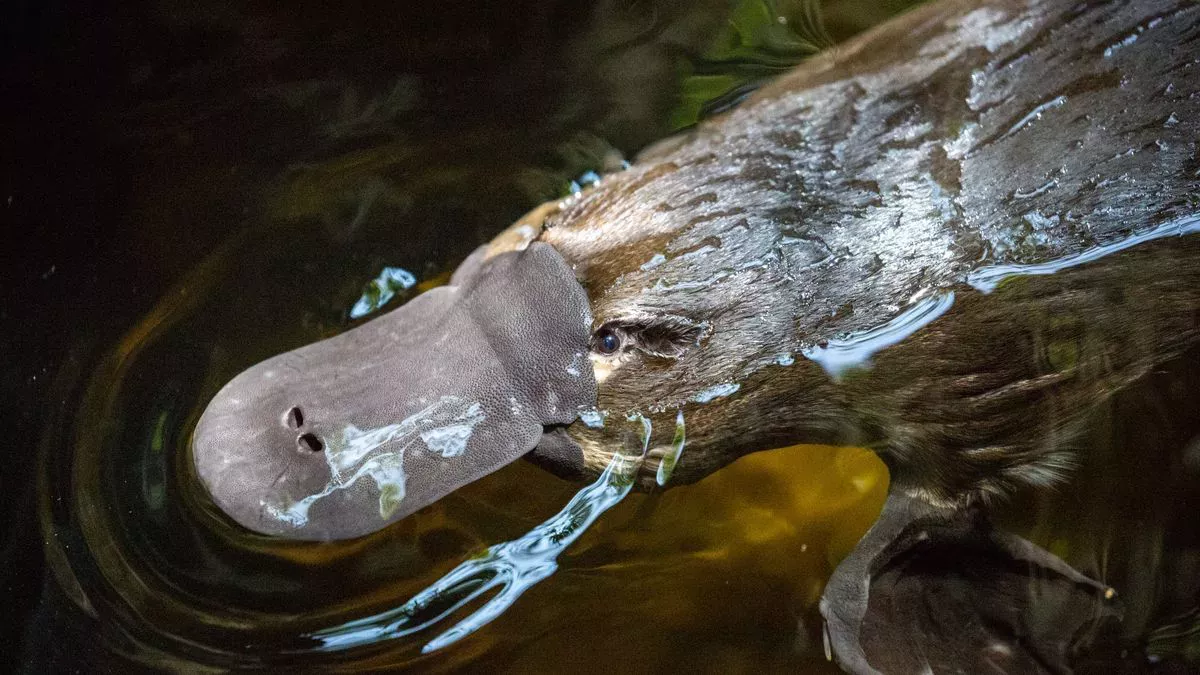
947,240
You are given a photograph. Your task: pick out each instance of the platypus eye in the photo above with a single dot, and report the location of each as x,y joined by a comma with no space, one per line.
660,336
605,341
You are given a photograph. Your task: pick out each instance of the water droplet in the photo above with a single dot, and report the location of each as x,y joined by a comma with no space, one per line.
716,391
1125,42
1035,114
593,418
666,466
381,290
1039,221
656,260
1041,189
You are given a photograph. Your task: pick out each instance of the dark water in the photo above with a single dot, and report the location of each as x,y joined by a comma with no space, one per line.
194,189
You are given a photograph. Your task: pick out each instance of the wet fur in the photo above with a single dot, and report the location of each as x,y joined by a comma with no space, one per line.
959,136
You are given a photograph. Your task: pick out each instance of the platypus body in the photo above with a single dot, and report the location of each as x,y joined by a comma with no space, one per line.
923,159
948,240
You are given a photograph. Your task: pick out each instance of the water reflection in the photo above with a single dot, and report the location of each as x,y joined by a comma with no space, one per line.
666,465
854,351
513,566
381,290
989,279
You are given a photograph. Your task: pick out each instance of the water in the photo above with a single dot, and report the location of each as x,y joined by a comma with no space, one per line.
203,189
666,466
987,279
717,391
356,455
513,566
381,291
848,352
137,539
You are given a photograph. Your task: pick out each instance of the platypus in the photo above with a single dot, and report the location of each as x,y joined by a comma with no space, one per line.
951,152
946,240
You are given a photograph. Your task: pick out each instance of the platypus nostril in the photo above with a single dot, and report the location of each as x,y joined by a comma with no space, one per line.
309,442
293,418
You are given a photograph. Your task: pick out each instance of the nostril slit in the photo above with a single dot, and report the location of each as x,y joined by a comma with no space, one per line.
309,442
293,418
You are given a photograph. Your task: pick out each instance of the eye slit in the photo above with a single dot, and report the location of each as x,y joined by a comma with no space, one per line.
605,341
665,336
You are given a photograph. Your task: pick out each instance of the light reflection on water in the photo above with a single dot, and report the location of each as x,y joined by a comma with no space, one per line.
854,351
666,465
514,567
988,279
381,290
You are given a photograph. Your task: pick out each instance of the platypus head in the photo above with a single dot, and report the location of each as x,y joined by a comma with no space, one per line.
341,437
696,287
654,302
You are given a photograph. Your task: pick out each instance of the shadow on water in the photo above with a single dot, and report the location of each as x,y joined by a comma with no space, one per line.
250,170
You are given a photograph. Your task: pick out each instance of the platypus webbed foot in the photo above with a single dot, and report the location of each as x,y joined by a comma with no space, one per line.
931,589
